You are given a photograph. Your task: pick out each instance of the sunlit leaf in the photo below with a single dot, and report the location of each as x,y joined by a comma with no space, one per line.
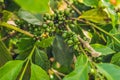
104,50
110,71
95,15
37,73
36,6
11,70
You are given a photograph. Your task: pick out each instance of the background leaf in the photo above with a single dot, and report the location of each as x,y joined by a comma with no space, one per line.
31,18
40,58
25,43
81,69
110,71
11,70
116,59
61,52
39,6
37,73
4,54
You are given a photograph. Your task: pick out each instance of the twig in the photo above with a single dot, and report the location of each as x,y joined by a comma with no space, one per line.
16,29
87,45
93,25
58,74
55,71
11,34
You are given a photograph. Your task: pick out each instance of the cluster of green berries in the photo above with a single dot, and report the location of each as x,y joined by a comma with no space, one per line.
52,23
71,39
33,29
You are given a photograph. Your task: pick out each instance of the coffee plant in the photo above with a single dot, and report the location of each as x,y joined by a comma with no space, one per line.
59,40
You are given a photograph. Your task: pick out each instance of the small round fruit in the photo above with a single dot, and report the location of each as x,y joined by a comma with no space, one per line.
70,42
45,26
64,35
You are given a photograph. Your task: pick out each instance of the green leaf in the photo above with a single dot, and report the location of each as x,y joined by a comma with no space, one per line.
45,42
81,70
115,45
104,50
61,52
36,6
40,58
95,15
11,70
116,59
54,4
111,11
93,3
110,71
37,73
4,54
31,18
6,15
23,54
25,43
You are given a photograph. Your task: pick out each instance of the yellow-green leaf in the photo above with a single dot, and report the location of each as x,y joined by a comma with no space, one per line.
37,73
11,70
35,6
95,15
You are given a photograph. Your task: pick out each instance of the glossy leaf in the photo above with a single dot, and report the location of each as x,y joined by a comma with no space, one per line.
61,52
110,71
31,18
40,58
95,15
45,42
81,69
104,50
116,59
4,54
37,73
36,6
11,70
